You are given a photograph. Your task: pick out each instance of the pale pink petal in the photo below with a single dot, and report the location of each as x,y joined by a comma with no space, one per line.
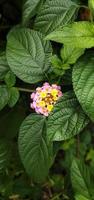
32,95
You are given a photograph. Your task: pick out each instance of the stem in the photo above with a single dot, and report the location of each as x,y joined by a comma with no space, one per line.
83,6
56,196
24,90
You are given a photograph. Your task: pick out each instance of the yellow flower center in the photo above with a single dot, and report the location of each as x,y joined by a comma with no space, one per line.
43,94
54,92
50,107
42,103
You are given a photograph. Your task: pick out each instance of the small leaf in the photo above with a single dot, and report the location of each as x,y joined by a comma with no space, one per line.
67,119
10,79
70,54
78,35
3,65
33,148
83,83
14,96
29,58
55,13
57,65
4,96
81,180
29,9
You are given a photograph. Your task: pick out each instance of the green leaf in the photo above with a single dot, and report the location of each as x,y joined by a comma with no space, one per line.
4,154
14,96
29,57
91,6
29,10
3,65
83,83
33,148
70,54
57,65
81,180
4,96
54,14
78,35
67,119
10,79
80,197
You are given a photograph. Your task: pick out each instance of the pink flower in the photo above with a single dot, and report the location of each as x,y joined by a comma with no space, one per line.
44,98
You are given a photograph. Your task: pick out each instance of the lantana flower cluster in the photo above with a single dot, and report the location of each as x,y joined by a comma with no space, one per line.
44,98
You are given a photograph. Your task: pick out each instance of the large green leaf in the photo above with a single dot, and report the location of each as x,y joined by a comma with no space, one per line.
3,65
29,57
54,14
67,119
78,34
4,154
29,9
33,148
81,181
4,96
83,83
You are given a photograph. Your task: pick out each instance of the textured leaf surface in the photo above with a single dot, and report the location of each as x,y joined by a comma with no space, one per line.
78,34
66,120
4,96
54,14
29,9
29,57
3,65
80,176
83,83
33,148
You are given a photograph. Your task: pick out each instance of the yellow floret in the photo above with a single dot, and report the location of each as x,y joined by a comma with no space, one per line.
41,103
54,92
43,94
50,107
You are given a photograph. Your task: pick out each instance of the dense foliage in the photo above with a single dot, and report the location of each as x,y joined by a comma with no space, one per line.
47,156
